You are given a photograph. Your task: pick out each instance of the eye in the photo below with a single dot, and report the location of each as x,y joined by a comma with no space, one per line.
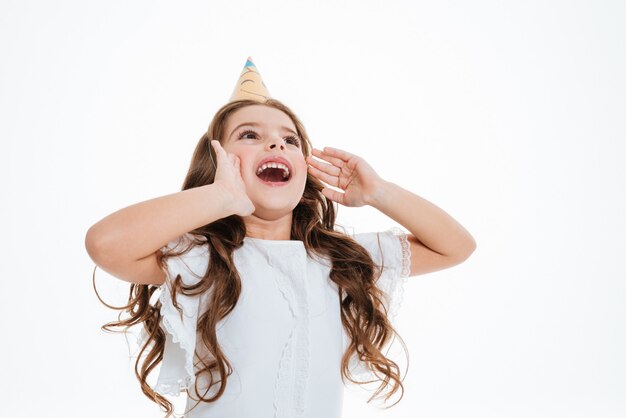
248,134
293,140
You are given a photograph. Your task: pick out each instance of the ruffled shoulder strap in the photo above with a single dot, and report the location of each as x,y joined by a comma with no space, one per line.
177,370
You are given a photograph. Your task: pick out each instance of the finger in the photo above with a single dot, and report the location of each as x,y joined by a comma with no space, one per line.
334,161
338,153
333,195
326,178
325,167
237,164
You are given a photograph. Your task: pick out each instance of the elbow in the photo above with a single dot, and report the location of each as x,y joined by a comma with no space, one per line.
469,248
92,243
471,245
465,250
96,245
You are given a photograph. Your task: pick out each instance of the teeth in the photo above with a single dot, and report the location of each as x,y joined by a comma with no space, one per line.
274,165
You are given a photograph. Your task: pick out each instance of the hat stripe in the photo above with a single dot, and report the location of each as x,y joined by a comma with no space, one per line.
255,87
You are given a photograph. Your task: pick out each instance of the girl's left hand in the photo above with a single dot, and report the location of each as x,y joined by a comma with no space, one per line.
346,171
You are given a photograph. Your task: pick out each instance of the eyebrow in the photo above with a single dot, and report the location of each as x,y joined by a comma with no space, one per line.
255,124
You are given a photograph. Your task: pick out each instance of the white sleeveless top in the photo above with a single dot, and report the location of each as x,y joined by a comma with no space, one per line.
284,338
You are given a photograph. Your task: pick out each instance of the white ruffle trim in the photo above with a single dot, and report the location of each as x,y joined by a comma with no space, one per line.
177,369
174,389
293,368
406,251
175,386
395,290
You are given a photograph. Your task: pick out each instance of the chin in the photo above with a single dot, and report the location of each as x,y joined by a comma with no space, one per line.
272,214
273,207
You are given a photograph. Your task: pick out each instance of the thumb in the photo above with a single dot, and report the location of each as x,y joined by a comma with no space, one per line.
219,151
237,162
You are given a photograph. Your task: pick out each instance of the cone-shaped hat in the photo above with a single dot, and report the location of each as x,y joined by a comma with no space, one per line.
250,84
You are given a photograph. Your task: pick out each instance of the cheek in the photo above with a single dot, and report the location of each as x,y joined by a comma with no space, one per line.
299,162
301,165
246,167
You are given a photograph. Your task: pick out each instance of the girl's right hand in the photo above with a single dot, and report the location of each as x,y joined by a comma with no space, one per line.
228,177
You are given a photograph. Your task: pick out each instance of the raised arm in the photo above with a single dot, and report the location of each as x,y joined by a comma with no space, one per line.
125,243
437,241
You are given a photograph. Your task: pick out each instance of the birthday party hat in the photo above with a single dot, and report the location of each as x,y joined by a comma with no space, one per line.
250,85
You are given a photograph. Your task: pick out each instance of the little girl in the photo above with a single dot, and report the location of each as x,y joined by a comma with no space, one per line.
264,309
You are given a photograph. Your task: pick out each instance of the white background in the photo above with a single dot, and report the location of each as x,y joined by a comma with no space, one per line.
511,116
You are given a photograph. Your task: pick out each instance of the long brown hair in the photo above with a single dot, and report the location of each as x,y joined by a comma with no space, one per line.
363,315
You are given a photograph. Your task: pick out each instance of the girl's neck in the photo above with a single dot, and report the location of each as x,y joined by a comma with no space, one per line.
274,229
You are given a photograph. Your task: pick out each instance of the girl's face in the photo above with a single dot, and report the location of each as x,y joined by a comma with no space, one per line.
273,167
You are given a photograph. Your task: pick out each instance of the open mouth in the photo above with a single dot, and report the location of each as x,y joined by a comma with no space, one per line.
273,172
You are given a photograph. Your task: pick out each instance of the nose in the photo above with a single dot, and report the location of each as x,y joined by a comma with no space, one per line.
276,142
